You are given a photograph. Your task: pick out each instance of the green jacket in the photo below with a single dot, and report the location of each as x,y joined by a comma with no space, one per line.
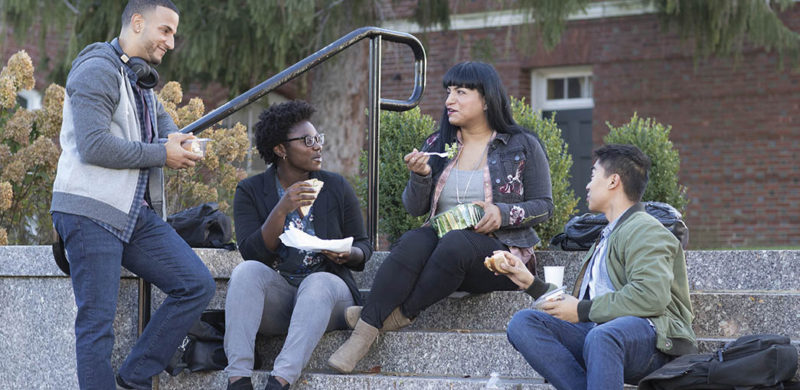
647,267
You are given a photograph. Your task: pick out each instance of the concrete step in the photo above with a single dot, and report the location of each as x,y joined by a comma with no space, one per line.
707,270
753,270
735,314
759,270
451,354
382,374
369,381
717,314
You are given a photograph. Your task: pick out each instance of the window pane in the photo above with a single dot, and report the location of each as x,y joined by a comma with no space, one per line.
574,87
555,89
589,92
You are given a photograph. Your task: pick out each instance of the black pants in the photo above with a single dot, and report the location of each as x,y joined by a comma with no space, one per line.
423,269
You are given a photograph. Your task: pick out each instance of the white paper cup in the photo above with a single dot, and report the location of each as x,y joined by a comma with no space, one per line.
198,145
554,274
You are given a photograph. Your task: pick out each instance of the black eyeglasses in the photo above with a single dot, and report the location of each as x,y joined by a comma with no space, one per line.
310,140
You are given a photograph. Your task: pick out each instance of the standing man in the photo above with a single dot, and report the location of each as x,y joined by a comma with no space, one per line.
630,309
108,199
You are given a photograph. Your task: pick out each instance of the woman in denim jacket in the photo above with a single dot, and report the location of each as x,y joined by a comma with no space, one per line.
498,166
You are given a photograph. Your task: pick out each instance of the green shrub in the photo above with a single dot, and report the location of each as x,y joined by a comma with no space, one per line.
400,133
653,139
564,199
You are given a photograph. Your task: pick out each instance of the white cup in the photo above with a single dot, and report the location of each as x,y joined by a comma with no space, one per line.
198,145
554,274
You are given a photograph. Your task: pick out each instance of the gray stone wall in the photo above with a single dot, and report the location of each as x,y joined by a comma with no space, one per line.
733,293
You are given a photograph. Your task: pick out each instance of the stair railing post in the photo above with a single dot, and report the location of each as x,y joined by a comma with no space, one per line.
374,137
144,314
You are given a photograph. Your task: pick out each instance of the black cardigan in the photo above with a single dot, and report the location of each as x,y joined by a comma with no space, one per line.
336,215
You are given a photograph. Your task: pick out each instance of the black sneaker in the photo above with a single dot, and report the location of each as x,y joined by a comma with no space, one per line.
273,384
242,383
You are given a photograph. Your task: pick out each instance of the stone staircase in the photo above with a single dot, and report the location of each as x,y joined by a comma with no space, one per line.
459,342
456,344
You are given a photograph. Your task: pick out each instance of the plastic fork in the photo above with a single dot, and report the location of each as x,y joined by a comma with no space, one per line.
440,154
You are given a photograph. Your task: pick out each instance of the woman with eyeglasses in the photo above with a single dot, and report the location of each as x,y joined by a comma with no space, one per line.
279,289
499,167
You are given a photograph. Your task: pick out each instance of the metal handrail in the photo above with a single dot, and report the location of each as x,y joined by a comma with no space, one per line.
317,58
376,35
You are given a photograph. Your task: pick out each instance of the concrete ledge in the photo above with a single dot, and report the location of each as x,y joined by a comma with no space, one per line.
708,270
38,311
325,381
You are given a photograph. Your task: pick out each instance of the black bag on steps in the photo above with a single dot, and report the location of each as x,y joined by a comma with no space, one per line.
749,362
203,226
202,348
582,231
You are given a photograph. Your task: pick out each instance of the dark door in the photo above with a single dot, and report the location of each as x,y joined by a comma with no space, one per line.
576,129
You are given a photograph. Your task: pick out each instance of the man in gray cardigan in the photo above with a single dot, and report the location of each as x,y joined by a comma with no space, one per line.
108,199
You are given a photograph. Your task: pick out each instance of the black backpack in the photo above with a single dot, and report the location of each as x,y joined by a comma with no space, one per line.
749,362
203,226
582,231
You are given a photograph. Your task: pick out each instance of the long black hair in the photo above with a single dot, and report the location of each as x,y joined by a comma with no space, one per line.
483,78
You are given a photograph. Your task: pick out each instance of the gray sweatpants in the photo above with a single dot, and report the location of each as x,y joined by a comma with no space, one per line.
259,300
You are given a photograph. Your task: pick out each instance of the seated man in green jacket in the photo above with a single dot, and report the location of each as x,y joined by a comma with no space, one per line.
630,311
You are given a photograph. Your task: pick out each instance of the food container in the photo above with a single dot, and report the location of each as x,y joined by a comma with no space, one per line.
198,145
462,216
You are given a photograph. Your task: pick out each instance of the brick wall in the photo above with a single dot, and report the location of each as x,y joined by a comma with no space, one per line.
735,124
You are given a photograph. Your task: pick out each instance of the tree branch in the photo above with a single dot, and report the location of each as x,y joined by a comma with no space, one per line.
71,7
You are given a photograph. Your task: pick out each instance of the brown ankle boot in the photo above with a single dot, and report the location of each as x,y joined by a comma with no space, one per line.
396,320
351,315
345,358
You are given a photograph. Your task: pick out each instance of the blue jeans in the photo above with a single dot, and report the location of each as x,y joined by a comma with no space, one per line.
158,255
586,355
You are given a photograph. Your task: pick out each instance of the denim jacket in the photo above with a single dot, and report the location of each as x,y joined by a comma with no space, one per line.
516,180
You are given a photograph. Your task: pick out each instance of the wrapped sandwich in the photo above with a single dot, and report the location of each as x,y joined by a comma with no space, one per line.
317,186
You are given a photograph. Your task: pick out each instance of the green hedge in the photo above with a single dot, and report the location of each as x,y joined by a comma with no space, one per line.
653,139
564,199
400,133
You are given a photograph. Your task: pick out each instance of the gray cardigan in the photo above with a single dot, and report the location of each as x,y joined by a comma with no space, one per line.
102,150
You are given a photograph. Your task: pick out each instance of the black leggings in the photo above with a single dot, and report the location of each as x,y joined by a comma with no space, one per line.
423,269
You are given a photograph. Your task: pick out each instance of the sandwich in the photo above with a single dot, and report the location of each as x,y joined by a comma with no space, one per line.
493,262
317,186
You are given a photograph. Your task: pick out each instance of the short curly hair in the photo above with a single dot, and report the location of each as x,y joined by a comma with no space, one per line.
274,124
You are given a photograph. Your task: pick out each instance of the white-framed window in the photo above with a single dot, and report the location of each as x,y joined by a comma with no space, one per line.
565,88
